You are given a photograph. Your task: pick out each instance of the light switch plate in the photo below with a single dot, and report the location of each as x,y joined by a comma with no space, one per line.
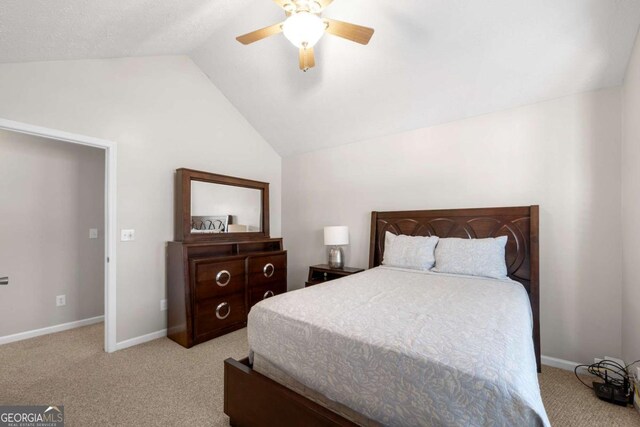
93,233
127,235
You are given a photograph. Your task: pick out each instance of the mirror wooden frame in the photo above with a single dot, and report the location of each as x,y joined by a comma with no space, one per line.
184,177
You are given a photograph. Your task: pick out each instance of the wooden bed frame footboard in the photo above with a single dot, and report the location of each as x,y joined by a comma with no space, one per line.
254,400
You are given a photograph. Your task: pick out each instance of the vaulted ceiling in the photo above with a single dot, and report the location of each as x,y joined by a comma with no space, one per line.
429,62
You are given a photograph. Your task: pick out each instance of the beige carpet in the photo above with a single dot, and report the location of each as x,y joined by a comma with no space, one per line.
161,383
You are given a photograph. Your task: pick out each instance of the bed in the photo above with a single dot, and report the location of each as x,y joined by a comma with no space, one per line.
398,347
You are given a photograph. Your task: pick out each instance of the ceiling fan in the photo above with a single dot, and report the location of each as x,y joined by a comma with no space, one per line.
304,27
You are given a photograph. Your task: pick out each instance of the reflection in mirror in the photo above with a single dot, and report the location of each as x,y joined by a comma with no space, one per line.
218,208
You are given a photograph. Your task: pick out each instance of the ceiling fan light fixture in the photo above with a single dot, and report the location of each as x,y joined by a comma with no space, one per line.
303,29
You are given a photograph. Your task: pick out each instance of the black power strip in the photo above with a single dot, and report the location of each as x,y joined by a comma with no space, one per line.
611,393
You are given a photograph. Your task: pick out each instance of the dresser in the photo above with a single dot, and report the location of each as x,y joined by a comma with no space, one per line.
213,279
212,287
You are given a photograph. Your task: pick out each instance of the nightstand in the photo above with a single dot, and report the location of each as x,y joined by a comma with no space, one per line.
323,273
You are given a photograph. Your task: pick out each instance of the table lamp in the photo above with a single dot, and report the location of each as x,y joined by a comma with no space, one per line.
335,236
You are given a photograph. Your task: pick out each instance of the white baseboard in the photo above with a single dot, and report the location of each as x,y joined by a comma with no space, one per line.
50,330
141,339
554,362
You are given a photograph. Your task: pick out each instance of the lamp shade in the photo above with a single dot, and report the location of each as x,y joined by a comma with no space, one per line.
336,235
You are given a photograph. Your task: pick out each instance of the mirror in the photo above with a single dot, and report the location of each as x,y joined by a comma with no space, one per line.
218,208
212,207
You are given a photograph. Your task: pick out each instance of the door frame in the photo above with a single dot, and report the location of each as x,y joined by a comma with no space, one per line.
110,212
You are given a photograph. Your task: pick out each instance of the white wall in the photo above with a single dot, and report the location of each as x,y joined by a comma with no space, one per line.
563,155
51,194
163,113
631,209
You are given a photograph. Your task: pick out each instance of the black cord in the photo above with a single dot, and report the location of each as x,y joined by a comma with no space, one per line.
575,371
632,363
603,368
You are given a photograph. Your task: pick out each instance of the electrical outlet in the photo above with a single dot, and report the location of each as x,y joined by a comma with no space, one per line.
61,300
163,305
127,235
93,233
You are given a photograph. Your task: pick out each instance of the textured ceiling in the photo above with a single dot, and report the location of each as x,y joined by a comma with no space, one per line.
40,30
430,61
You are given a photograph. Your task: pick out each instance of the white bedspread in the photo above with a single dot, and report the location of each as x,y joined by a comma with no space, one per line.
409,348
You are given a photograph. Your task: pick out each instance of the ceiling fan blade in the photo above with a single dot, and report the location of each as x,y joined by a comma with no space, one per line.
306,58
260,34
353,32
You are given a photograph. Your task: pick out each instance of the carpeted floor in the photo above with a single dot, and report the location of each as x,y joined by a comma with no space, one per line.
161,383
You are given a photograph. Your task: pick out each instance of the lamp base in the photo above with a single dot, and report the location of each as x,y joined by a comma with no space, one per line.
336,257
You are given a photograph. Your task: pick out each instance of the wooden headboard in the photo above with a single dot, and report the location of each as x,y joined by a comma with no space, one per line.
519,224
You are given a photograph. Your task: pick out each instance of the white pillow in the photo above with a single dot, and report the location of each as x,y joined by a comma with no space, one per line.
475,257
414,252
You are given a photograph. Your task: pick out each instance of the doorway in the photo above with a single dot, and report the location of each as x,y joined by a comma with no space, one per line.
109,217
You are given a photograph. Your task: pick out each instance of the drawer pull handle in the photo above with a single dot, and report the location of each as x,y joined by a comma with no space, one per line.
268,270
219,277
268,294
220,307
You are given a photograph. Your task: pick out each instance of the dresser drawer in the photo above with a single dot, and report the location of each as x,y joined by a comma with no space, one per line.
267,269
215,314
258,294
216,278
